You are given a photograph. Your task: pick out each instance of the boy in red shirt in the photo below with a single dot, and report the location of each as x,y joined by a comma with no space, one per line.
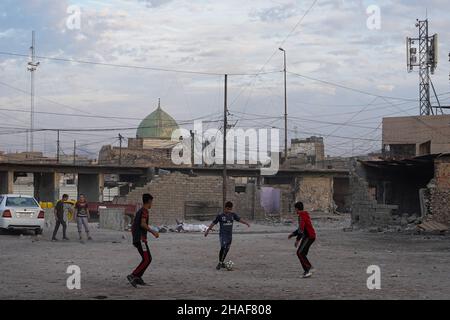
139,231
307,235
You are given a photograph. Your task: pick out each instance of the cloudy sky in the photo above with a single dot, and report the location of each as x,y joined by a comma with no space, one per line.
331,43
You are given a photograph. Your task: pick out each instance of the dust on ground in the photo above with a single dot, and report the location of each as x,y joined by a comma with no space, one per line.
266,266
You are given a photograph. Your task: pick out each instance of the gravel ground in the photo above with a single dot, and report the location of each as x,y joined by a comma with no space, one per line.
266,267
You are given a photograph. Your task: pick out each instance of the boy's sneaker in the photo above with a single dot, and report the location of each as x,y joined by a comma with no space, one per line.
132,280
219,265
65,238
89,238
139,281
54,239
307,274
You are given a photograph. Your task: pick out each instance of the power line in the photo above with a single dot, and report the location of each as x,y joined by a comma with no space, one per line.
349,88
276,50
137,67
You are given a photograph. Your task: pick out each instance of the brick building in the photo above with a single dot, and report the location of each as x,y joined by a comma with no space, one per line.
407,137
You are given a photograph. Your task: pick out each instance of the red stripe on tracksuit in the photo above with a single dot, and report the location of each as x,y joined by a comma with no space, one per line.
146,258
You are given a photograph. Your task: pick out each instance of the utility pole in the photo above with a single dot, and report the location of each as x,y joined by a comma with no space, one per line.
32,66
74,157
57,147
27,134
74,151
192,147
120,149
285,107
225,124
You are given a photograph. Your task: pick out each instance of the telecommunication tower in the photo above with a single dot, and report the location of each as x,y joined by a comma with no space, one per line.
422,52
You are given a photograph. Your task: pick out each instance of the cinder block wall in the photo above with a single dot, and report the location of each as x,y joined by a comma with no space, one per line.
171,191
366,212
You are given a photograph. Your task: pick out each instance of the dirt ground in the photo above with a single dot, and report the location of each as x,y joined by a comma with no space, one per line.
266,267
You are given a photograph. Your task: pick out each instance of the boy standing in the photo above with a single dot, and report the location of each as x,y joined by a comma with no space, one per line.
226,220
139,231
82,212
59,217
307,235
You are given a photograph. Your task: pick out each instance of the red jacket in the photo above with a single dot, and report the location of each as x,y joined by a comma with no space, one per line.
305,226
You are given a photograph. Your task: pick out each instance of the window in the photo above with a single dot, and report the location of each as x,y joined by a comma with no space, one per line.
21,202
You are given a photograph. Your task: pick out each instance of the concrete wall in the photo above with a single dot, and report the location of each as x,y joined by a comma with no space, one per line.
130,156
417,130
91,185
46,186
6,182
113,219
440,191
316,193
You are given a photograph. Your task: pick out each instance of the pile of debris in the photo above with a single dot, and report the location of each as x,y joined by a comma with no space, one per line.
433,226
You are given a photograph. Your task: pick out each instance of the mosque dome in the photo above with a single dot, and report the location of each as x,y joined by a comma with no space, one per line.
157,125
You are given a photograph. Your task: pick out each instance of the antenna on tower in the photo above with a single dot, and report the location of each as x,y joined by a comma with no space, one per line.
422,52
32,66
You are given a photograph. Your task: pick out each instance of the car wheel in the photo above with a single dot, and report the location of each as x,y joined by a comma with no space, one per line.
38,231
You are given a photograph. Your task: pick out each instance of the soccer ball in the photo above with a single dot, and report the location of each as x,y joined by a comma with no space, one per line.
229,265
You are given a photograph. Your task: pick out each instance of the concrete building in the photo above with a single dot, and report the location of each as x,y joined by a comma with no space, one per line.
306,152
407,137
395,192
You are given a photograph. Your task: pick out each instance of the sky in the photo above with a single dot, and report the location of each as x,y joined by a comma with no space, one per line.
362,71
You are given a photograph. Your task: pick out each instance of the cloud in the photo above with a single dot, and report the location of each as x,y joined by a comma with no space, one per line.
155,3
386,87
276,13
233,36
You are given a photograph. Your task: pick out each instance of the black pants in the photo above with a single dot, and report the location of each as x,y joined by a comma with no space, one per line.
302,252
225,244
144,251
59,221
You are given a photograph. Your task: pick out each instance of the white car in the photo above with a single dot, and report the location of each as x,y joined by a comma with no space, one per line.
19,212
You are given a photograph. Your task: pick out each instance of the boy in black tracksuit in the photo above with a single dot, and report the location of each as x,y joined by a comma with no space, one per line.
225,220
139,232
307,235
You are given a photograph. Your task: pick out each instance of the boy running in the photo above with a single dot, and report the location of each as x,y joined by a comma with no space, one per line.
307,235
139,231
226,220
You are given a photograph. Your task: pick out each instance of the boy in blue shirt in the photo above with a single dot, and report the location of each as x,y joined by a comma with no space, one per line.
225,219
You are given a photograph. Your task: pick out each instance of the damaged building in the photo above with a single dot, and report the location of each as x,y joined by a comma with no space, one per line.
199,194
410,184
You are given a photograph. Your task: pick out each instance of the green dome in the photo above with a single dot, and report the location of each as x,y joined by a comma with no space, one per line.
157,125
